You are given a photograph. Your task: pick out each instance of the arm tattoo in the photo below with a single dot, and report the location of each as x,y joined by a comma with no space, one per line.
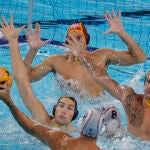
134,108
133,102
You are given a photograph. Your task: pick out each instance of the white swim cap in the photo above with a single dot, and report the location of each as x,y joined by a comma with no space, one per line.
91,122
96,119
111,120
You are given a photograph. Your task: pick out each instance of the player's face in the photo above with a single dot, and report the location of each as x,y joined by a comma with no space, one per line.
64,111
147,86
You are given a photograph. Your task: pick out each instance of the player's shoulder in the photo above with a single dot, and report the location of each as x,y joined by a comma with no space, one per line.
102,50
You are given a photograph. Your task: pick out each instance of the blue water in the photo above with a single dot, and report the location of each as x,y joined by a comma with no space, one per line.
11,134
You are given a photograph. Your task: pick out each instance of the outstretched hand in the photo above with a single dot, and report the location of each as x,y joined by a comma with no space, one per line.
34,39
76,47
8,30
114,22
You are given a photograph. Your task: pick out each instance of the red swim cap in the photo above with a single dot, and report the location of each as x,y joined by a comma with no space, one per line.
79,27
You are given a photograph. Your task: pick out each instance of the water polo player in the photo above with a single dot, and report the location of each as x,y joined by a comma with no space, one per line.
76,78
72,105
65,111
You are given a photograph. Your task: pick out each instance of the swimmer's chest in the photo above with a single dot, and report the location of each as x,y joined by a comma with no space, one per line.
71,71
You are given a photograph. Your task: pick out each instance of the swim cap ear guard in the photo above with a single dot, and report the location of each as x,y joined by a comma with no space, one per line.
146,77
98,118
76,109
148,103
88,39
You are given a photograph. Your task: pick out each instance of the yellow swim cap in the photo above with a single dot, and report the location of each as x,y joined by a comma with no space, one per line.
148,103
4,77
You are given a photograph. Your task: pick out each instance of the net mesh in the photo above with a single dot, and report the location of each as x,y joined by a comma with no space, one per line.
56,15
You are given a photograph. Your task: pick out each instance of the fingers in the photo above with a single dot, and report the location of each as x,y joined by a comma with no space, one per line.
119,16
81,43
2,25
69,41
73,39
66,45
113,13
5,23
68,48
47,41
26,32
30,29
37,28
108,16
8,86
4,20
21,28
107,32
82,40
11,20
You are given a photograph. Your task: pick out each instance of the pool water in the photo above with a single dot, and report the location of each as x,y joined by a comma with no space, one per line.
11,134
10,130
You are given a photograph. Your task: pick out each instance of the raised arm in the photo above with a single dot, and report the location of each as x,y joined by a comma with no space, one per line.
101,77
134,54
20,74
35,43
99,73
43,133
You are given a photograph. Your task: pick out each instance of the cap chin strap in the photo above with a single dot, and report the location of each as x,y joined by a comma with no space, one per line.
148,103
55,124
77,61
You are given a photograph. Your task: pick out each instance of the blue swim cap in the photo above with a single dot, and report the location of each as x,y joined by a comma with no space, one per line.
97,118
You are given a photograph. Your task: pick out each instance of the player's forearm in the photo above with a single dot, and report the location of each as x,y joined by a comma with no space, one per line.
17,63
19,71
23,120
29,59
133,47
100,76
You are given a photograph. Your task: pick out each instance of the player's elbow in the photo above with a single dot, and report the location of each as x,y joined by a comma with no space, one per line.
142,58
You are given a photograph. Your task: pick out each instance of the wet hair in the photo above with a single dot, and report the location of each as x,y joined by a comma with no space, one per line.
76,107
